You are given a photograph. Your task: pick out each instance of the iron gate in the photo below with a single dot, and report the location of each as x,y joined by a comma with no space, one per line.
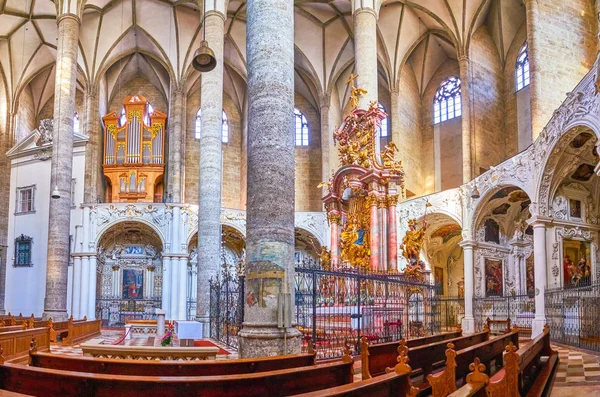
226,307
520,309
573,315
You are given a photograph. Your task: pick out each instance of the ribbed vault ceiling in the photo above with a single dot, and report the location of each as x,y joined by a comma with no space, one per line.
158,38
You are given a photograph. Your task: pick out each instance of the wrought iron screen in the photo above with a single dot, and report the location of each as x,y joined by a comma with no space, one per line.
226,307
520,309
574,316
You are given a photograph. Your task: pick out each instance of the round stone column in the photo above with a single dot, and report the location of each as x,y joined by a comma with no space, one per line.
539,271
55,302
211,171
468,322
269,266
175,166
365,54
463,64
91,127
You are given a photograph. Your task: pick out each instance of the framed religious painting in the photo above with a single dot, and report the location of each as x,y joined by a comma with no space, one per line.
438,277
529,276
577,269
575,209
493,277
133,284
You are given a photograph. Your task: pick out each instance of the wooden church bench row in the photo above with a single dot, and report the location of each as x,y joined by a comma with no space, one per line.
162,368
375,358
283,382
458,363
518,364
15,345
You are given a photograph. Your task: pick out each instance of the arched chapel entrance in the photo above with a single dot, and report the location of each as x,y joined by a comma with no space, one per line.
130,273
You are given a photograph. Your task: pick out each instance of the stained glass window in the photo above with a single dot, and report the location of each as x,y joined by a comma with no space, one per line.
447,101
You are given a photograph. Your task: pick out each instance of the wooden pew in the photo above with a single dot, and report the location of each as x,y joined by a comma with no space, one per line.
15,345
526,363
458,362
376,358
395,383
82,330
476,382
285,382
162,368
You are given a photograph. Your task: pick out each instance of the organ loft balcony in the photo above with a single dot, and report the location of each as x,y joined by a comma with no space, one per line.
134,161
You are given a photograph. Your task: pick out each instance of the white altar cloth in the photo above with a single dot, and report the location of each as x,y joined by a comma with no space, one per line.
188,329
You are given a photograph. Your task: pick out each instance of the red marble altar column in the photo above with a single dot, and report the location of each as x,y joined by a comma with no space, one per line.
392,200
375,237
383,232
334,221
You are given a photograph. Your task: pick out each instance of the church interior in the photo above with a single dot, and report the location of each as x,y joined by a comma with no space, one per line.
308,197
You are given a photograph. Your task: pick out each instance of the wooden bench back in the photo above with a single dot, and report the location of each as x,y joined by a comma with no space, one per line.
458,362
380,356
395,383
15,345
161,368
58,383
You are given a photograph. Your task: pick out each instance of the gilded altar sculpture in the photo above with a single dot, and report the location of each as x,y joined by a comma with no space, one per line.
411,250
363,193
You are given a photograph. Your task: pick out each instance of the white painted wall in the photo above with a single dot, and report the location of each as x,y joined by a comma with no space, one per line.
26,286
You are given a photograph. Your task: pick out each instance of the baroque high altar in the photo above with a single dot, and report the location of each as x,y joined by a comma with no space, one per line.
134,160
362,198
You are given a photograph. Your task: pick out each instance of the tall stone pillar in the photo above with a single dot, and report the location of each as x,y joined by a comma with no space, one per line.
76,308
175,163
211,170
468,322
326,142
465,81
539,272
166,285
85,277
91,128
365,49
55,302
269,270
91,287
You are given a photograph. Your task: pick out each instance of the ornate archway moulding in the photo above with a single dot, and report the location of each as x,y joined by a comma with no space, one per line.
580,111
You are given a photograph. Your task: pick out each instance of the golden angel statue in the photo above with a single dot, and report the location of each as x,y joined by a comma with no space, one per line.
411,249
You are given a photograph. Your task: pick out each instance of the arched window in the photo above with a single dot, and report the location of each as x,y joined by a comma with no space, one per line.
522,68
149,109
76,122
224,126
123,118
446,104
383,128
301,128
225,129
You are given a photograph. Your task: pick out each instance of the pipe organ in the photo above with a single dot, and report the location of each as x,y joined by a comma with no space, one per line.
134,152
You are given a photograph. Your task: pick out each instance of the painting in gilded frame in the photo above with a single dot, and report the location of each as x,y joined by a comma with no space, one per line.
493,277
133,284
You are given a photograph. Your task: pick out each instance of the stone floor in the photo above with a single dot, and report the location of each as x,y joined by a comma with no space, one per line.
578,372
